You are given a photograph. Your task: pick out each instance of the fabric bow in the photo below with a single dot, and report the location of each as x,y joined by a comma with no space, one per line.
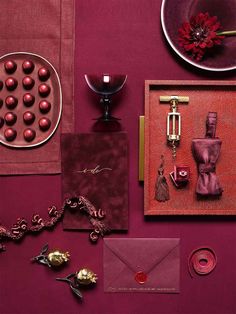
206,152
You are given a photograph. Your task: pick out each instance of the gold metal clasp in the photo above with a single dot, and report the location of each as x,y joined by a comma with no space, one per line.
173,127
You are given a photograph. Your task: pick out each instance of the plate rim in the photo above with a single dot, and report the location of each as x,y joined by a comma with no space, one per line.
181,55
60,102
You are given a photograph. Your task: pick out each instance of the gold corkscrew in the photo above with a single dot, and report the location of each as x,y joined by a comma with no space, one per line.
173,128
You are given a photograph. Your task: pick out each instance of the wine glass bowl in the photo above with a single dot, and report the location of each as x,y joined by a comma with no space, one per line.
106,85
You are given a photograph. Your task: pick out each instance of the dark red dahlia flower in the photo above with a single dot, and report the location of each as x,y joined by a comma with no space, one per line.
199,35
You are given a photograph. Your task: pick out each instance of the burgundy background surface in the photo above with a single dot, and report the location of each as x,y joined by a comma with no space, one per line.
115,37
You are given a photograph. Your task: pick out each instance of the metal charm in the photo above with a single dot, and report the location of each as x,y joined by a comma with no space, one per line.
54,258
83,277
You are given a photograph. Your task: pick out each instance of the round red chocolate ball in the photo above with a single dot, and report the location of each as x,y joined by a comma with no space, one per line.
10,66
28,99
28,66
11,83
43,74
10,118
11,102
1,122
10,134
44,90
1,103
44,106
28,82
28,117
44,124
29,135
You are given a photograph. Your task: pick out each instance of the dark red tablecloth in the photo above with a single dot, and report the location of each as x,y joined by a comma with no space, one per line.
114,37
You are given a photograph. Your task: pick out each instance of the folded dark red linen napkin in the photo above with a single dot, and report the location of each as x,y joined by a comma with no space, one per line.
45,28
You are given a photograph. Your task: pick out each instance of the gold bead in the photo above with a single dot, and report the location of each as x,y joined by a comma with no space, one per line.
86,276
57,258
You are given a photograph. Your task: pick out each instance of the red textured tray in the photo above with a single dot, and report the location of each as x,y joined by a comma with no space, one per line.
204,96
26,124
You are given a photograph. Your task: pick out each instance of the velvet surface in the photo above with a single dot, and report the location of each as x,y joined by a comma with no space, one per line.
206,152
95,166
120,37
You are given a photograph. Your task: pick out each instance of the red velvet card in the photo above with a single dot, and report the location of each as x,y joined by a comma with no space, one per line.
95,165
141,265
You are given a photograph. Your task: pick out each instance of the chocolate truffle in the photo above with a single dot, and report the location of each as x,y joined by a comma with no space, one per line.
28,117
11,83
28,99
10,118
43,74
10,66
44,90
10,134
44,106
28,82
27,66
11,102
29,135
44,124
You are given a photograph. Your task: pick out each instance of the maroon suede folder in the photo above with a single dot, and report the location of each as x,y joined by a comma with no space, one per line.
95,166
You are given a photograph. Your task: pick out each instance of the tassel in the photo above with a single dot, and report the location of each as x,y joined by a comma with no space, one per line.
161,186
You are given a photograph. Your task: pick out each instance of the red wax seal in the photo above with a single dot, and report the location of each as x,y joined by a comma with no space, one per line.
44,124
29,117
43,74
44,106
10,134
44,90
10,118
11,102
11,83
1,84
27,66
1,122
29,135
28,82
10,66
28,99
140,277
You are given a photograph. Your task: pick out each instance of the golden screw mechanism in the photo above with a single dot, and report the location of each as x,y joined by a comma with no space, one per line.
173,128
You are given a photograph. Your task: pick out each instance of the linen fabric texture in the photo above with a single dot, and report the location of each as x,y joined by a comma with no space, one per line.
46,28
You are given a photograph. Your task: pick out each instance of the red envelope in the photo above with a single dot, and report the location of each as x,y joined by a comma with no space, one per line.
141,265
